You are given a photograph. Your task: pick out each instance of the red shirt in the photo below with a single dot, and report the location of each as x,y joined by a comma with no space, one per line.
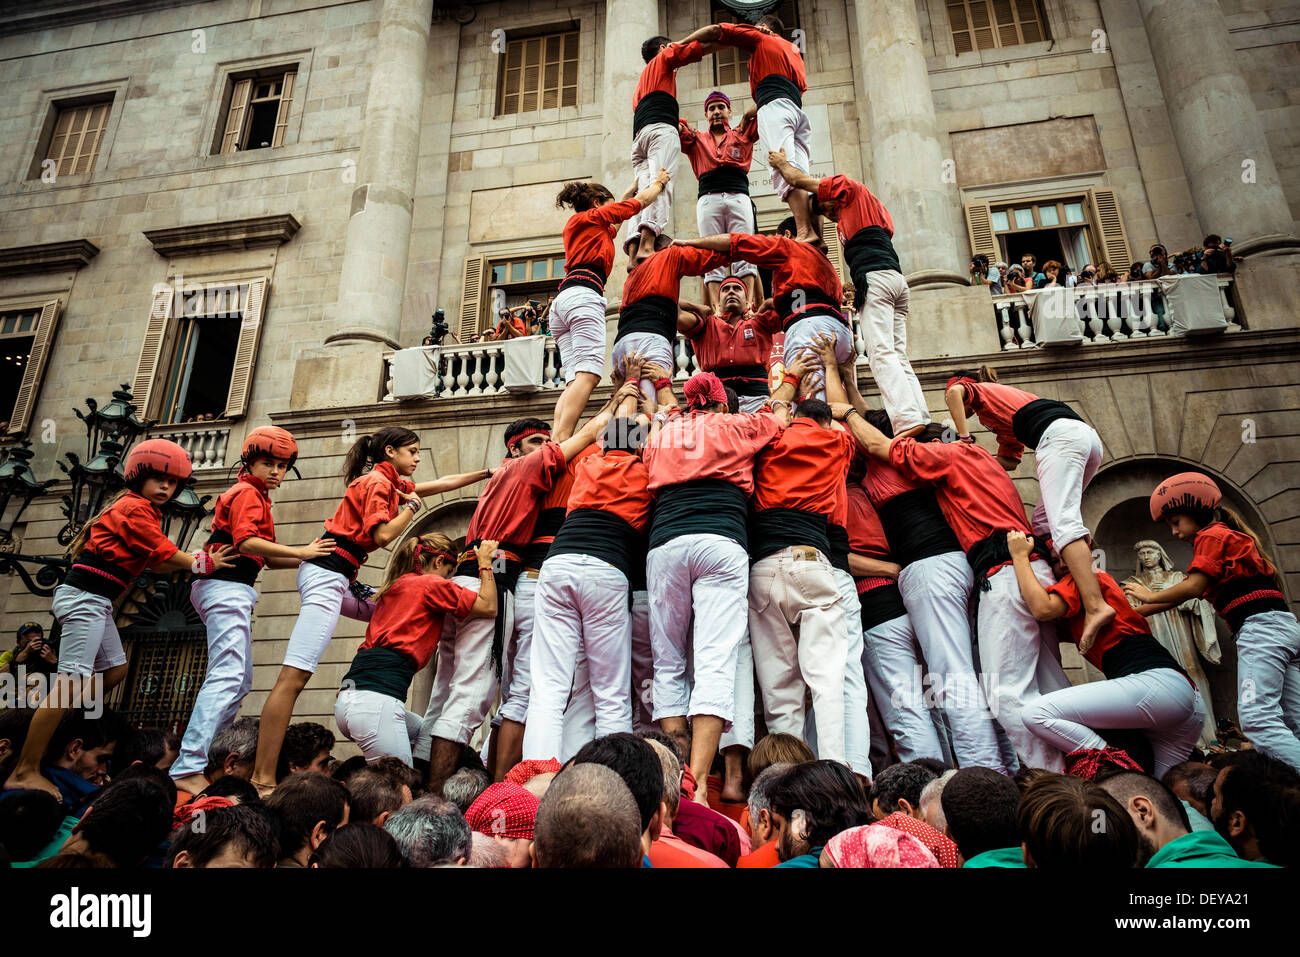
858,206
589,235
129,535
243,511
883,482
708,445
661,72
802,469
866,534
736,148
940,845
794,265
515,321
662,273
975,494
616,482
370,501
408,617
765,856
719,344
672,851
995,404
1222,554
1125,623
768,54
507,508
558,496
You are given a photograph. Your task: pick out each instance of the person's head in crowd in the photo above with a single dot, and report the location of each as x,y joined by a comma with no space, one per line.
587,819
1158,815
761,829
876,845
813,802
345,769
731,298
150,773
1088,275
672,778
125,822
148,746
36,653
632,759
84,745
1256,808
1134,273
931,803
526,435
815,409
507,814
307,746
1193,782
240,836
308,807
772,24
717,111
372,797
14,723
534,776
1027,264
733,399
1051,269
1067,823
430,831
1027,776
489,854
581,197
1158,254
28,821
979,809
933,764
405,778
233,751
778,748
705,392
898,788
788,228
359,845
651,47
233,787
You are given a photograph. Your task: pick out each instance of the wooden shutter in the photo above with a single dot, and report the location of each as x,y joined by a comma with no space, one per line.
282,114
1111,235
834,252
471,296
235,118
979,230
1005,18
250,332
146,371
41,344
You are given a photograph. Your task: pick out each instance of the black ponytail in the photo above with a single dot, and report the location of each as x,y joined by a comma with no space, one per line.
369,450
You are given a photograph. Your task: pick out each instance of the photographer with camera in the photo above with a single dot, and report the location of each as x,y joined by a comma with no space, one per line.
509,326
33,651
982,274
1216,255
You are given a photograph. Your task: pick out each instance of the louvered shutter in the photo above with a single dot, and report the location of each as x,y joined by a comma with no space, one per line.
979,230
471,296
1110,228
282,114
146,370
235,118
250,333
36,359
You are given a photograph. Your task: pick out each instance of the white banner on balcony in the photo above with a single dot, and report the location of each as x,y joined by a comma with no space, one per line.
1053,316
1192,304
523,363
415,373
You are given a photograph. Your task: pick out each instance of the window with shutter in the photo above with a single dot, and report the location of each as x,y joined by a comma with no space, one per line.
979,230
834,252
26,338
282,112
1110,227
257,116
235,117
986,24
250,333
471,297
539,71
78,132
160,313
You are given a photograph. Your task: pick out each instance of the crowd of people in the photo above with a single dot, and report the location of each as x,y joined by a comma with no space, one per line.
754,624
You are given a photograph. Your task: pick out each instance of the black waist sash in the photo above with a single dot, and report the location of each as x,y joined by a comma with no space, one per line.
1134,654
656,106
549,521
1030,421
745,380
654,314
915,527
881,604
724,179
704,506
777,87
384,670
1239,598
816,303
601,534
246,568
93,574
869,250
839,553
338,562
990,552
584,274
773,529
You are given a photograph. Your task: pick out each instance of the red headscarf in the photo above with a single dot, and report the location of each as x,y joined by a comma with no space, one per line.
503,810
702,389
1087,763
876,845
525,771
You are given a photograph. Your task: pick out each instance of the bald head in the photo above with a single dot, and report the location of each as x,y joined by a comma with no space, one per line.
588,818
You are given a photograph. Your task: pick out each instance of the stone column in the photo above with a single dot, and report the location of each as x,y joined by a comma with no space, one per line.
902,135
1216,126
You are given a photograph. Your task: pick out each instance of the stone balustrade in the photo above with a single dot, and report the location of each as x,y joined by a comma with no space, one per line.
204,442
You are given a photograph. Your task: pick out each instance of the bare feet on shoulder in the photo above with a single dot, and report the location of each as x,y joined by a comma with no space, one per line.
912,432
263,788
31,781
1093,624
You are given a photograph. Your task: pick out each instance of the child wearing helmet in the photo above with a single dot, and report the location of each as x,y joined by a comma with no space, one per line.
224,598
107,554
1230,570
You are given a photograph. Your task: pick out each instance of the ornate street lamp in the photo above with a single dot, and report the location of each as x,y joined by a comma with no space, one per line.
18,486
115,421
93,484
188,510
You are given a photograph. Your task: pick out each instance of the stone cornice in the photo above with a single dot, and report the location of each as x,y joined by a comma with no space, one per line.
231,234
47,257
22,16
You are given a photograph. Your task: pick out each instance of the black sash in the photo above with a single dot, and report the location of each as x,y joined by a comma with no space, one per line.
724,179
773,529
915,527
593,277
93,574
1030,421
745,380
246,568
655,107
655,314
990,552
339,563
777,87
869,250
816,303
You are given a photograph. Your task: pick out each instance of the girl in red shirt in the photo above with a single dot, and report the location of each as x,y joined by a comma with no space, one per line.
578,309
109,551
1230,570
404,630
377,508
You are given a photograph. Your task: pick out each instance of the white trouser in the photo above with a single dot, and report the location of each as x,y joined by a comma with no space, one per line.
322,594
857,725
935,592
1268,683
787,590
1066,459
752,404
650,346
726,213
377,723
892,658
516,674
658,146
578,325
882,321
581,612
801,334
643,668
1020,659
783,125
226,609
579,715
88,642
464,681
1161,702
741,732
705,577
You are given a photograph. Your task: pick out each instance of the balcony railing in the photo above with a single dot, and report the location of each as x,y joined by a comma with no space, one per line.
204,442
1113,312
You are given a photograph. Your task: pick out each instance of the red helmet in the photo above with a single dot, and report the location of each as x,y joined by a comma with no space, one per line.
157,455
1182,491
269,440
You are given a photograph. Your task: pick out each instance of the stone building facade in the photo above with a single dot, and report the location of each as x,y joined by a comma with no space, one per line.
396,179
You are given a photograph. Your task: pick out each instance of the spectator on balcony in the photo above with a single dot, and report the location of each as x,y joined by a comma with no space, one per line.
1158,265
1088,275
32,650
982,274
1051,275
1016,281
1216,255
1029,264
1135,273
509,326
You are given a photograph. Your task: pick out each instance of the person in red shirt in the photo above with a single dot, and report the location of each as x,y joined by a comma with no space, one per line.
734,345
106,554
509,326
720,158
1144,687
410,608
578,309
866,231
1230,570
777,80
655,143
224,599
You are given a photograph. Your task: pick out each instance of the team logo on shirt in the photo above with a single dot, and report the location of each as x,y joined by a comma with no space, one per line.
749,333
735,152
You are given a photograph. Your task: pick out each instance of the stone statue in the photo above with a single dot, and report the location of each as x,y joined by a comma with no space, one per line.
1187,631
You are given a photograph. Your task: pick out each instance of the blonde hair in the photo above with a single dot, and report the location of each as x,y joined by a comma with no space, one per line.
83,534
409,558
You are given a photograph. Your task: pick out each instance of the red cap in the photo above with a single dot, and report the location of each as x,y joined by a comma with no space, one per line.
157,455
1184,490
503,810
702,389
269,440
716,95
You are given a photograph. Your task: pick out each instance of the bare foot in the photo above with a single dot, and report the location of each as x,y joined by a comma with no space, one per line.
1093,623
732,794
263,788
909,433
807,237
194,784
31,781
